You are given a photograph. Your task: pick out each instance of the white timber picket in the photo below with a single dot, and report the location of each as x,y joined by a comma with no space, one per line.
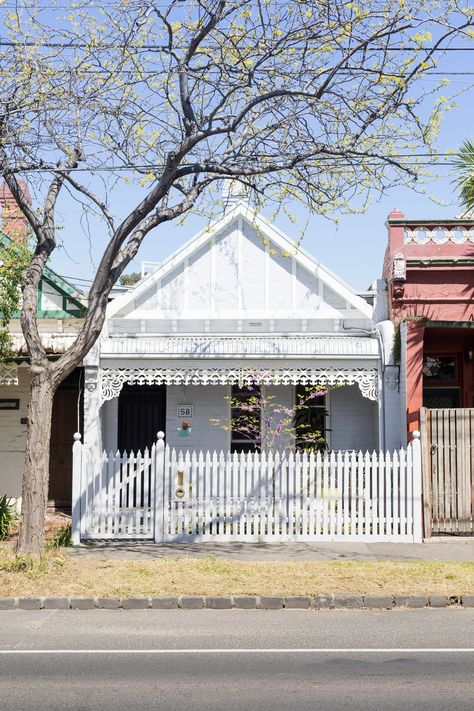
367,481
266,491
417,498
206,497
325,496
332,495
277,513
403,493
375,523
172,483
388,498
345,497
187,485
311,493
318,494
304,495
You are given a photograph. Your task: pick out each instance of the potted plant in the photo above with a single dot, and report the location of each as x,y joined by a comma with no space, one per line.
185,429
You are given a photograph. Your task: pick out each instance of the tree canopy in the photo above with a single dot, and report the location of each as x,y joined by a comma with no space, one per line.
14,259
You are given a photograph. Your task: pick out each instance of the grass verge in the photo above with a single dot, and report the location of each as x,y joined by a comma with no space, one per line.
59,575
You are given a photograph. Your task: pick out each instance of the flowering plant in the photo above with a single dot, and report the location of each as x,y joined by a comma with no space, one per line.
257,417
185,425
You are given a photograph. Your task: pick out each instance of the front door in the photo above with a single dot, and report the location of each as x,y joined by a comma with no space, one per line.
141,415
66,420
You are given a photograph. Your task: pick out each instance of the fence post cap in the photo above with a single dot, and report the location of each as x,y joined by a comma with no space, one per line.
416,434
77,436
160,435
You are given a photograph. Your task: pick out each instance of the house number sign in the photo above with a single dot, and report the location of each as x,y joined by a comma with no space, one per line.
185,411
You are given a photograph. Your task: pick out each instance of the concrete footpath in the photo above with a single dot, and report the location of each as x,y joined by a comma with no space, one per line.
453,549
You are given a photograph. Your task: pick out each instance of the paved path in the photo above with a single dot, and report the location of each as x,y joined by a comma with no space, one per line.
455,549
200,661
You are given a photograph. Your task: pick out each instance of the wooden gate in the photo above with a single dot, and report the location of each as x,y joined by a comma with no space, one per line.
448,470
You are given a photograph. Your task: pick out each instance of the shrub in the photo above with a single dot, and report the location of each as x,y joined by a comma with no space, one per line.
8,517
62,538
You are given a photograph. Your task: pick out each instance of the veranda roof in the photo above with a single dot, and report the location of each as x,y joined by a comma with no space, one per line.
226,360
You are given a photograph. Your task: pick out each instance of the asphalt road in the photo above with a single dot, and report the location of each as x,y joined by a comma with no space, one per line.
256,660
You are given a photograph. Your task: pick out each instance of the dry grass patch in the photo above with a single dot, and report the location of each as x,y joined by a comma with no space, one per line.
58,575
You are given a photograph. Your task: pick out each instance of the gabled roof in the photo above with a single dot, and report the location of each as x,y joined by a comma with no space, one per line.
269,232
72,299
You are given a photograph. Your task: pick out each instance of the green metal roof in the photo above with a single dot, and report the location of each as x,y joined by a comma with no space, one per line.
72,306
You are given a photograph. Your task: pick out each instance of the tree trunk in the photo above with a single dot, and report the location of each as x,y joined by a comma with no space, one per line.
36,471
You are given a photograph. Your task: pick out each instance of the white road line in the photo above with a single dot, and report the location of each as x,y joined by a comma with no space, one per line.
289,650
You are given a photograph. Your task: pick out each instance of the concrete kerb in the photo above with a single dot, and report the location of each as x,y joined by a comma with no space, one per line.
240,602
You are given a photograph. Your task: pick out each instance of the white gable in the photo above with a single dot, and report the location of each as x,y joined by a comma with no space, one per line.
51,298
243,271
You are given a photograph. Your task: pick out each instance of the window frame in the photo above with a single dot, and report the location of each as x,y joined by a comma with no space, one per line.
327,413
242,440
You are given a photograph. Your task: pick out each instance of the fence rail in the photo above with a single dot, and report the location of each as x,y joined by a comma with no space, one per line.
173,496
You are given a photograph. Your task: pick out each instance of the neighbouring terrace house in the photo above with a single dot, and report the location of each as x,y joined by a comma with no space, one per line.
240,305
429,268
60,309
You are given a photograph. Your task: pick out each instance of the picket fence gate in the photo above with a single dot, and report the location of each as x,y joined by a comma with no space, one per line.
175,496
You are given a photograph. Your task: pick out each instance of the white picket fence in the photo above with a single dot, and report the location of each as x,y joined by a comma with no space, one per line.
175,496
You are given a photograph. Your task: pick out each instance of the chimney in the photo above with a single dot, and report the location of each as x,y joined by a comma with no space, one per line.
395,243
13,222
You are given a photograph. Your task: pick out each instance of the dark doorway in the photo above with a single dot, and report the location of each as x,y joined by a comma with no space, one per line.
141,414
66,420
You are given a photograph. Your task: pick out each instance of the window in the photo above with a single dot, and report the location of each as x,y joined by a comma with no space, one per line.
439,368
441,380
310,418
245,419
440,397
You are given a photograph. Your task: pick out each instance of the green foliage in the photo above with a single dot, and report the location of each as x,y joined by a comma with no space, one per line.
8,517
14,259
62,538
465,169
130,279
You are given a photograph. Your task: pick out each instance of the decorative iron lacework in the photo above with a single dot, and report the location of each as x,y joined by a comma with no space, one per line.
112,379
8,374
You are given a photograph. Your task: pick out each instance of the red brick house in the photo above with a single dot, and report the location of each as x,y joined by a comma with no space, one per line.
429,268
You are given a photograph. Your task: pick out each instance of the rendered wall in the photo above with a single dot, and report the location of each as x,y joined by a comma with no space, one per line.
208,402
353,420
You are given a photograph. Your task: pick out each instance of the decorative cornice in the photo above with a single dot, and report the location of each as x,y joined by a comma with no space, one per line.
113,379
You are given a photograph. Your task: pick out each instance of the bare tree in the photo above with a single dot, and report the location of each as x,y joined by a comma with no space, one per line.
305,99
